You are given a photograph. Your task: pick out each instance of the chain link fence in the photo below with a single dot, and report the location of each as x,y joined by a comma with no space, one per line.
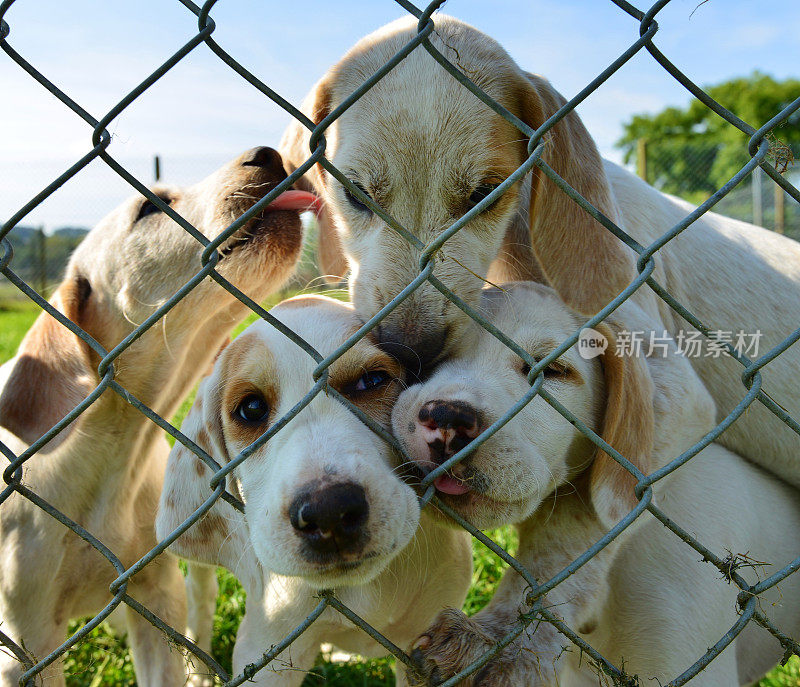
644,24
684,169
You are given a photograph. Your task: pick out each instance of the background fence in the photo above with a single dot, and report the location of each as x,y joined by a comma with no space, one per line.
684,170
643,29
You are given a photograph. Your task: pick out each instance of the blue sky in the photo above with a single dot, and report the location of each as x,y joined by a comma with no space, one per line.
201,113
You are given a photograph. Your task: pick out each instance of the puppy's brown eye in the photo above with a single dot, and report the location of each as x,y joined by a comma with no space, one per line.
480,193
556,370
551,371
253,408
371,380
355,202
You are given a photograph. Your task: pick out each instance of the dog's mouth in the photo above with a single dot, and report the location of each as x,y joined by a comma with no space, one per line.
344,565
461,481
466,490
288,205
344,571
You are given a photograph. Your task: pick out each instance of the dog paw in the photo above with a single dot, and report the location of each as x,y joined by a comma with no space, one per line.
454,641
448,646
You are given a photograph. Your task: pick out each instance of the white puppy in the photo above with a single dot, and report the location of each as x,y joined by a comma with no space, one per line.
325,506
427,150
645,602
106,468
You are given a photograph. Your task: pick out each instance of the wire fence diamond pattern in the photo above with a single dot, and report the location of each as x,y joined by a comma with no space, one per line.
759,150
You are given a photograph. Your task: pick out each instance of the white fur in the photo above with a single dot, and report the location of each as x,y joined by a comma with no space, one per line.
646,602
404,575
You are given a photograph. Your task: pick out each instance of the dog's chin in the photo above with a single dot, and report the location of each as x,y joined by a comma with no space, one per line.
346,573
482,511
349,571
266,243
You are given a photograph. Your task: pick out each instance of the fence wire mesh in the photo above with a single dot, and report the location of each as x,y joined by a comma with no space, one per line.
758,148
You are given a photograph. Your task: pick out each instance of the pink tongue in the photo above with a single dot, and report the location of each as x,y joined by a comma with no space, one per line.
296,200
450,485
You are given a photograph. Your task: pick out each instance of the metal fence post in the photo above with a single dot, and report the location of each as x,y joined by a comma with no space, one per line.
758,209
641,158
780,210
41,255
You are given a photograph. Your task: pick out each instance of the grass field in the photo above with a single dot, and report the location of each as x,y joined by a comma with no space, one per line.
103,660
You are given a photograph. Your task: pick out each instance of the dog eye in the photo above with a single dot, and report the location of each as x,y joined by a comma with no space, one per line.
149,208
556,369
253,408
552,370
355,202
480,193
371,380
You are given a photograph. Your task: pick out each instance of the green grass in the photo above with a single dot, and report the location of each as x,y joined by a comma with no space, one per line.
102,660
15,320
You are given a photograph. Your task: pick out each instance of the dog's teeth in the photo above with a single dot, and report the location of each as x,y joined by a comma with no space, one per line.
423,642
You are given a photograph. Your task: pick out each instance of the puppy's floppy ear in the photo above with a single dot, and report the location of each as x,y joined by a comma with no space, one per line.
220,536
628,426
582,260
656,407
294,148
52,372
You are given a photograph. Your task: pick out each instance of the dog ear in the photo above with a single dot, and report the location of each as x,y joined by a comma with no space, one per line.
294,148
52,371
628,426
584,262
220,536
656,408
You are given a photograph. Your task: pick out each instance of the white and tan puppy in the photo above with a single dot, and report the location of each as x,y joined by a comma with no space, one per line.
324,504
106,469
645,602
426,150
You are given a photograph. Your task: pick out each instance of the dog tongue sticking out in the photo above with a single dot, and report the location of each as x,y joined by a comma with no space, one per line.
297,200
450,485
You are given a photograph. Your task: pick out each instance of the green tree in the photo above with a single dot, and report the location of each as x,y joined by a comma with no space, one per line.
692,151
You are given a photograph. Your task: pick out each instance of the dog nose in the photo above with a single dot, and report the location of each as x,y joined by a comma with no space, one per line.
415,354
447,427
263,156
332,519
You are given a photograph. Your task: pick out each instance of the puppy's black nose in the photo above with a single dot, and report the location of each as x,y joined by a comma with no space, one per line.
447,426
263,157
415,354
331,519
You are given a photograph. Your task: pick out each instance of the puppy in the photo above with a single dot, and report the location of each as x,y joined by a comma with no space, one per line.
325,507
646,601
427,150
105,470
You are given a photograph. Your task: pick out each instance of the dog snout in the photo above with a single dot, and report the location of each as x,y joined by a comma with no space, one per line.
331,519
447,427
264,157
416,353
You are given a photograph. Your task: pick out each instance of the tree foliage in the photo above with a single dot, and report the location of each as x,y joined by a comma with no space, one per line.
692,151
